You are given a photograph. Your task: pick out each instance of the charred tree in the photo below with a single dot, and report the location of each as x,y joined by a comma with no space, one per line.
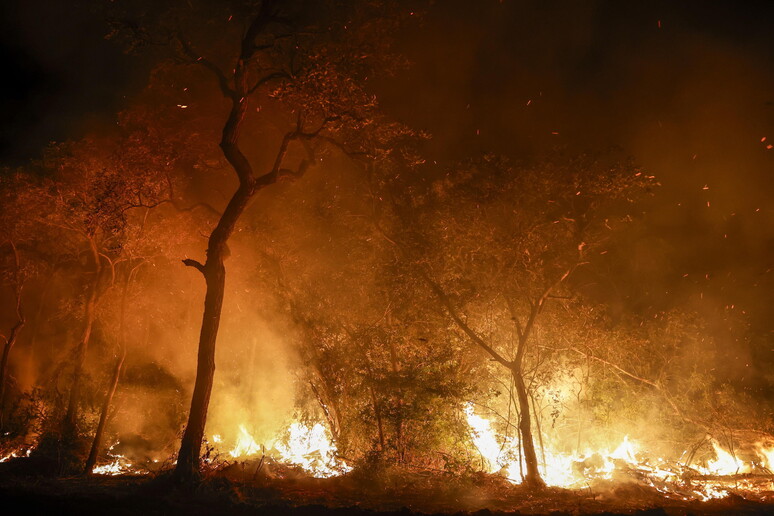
213,269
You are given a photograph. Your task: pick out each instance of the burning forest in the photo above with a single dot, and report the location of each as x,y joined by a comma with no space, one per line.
310,257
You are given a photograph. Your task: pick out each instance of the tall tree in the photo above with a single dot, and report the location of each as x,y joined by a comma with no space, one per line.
314,60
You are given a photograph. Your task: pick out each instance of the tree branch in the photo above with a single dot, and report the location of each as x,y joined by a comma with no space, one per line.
223,83
277,171
678,412
350,153
444,299
176,205
195,264
266,79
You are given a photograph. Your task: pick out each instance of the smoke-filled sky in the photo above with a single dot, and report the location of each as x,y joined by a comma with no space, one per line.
686,88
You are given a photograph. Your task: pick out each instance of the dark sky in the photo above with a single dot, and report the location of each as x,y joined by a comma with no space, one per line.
596,72
685,87
60,75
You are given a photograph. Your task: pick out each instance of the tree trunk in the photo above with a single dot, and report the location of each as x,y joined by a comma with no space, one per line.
97,442
4,366
378,416
35,326
69,425
187,468
213,269
532,478
400,449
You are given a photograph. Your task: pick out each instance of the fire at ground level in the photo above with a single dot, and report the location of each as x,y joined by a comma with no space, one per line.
301,473
403,494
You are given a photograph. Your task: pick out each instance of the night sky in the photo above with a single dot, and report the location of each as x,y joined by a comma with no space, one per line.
685,88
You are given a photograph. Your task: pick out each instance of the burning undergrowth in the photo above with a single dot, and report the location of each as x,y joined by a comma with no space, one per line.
399,324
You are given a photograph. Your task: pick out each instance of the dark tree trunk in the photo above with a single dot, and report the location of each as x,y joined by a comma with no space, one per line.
400,447
35,327
187,468
97,442
214,272
213,269
378,416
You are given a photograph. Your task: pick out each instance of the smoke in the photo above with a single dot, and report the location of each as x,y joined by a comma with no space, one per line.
685,89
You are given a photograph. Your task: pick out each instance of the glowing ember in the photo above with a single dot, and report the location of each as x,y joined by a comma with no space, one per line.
119,465
15,454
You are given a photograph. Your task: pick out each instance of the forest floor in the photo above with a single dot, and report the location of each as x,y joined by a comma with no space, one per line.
240,492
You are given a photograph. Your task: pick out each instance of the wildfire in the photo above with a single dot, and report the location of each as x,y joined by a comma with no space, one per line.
501,455
245,445
767,456
119,465
15,454
313,450
310,448
724,464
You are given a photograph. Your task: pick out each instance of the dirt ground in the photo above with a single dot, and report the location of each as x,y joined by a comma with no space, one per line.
240,491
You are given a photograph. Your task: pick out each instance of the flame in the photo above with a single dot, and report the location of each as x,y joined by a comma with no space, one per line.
313,450
21,452
485,440
724,464
310,448
501,455
766,454
119,465
245,445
